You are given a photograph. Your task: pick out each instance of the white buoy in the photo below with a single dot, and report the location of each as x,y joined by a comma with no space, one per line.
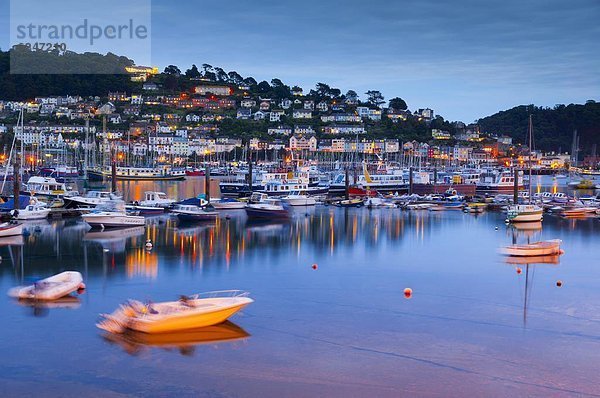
105,250
148,244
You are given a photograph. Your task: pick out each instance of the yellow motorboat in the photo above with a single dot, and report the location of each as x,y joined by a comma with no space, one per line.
202,310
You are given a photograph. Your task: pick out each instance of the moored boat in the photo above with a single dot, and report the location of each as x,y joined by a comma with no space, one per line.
206,309
191,213
51,288
525,213
227,204
544,248
11,229
267,208
112,214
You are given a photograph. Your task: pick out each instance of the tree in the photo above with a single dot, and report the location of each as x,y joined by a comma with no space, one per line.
264,87
172,70
193,72
235,77
323,89
221,75
375,98
335,92
351,95
250,81
398,104
206,68
277,83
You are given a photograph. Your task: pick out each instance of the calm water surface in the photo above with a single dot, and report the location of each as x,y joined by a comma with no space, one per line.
473,327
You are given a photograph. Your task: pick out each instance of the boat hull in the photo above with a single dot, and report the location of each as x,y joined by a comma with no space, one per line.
267,214
11,230
112,221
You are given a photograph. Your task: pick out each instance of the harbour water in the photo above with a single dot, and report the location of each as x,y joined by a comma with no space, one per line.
474,326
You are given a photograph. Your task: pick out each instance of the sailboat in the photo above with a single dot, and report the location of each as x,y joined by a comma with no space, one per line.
526,212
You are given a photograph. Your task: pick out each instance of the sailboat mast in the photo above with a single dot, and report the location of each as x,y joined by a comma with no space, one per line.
530,149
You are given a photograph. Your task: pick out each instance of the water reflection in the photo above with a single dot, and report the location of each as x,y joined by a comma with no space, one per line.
134,343
41,308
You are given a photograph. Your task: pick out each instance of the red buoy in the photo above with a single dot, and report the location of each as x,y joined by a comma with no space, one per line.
408,292
315,266
559,283
519,270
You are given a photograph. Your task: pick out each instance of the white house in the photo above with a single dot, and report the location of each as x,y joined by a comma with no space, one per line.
302,114
303,143
322,106
244,113
192,117
367,113
260,115
275,116
285,103
279,130
303,129
309,105
248,103
344,129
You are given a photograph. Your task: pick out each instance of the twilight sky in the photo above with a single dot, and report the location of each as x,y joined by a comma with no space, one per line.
465,59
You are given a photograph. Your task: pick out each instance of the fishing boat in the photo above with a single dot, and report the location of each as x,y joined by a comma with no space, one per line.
51,288
500,182
267,209
10,229
191,213
202,310
90,200
299,198
544,248
35,210
227,204
112,214
46,187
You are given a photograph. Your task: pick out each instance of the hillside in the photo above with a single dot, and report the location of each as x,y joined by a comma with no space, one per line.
553,127
20,87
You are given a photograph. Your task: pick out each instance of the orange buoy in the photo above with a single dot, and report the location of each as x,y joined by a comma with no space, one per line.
559,283
519,270
315,266
408,292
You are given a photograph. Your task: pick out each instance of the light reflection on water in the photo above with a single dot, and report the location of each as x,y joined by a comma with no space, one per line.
473,327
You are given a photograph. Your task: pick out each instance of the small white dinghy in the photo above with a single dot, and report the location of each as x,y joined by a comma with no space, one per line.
202,310
544,248
51,288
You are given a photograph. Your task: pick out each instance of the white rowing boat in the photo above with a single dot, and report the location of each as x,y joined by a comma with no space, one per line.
544,248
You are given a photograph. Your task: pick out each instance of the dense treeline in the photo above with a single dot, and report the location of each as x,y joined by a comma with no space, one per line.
21,87
553,127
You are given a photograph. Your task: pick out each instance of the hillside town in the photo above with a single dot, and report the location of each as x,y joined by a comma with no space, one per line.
214,119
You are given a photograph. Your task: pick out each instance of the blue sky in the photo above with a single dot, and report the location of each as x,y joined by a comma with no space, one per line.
464,59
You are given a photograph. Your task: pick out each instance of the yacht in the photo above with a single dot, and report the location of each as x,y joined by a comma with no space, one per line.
90,200
299,198
193,213
35,210
156,199
525,213
267,208
227,204
112,214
